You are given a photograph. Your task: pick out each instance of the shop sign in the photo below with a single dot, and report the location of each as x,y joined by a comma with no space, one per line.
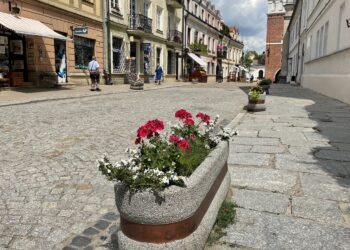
80,30
146,48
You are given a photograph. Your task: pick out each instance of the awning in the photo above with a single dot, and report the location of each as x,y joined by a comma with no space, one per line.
197,60
27,26
243,68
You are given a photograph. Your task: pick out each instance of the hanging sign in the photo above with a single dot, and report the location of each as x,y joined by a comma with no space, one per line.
81,30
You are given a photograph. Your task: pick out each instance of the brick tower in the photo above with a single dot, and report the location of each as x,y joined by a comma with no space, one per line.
278,17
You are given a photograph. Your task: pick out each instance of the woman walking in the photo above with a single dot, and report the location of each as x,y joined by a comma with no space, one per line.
159,74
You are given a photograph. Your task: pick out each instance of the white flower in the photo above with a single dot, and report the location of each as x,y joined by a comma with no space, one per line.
165,180
207,146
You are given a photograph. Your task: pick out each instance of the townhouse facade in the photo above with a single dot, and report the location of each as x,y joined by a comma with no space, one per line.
319,48
208,39
142,34
47,42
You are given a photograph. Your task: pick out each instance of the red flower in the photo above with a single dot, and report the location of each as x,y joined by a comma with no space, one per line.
148,130
138,140
174,139
143,131
183,114
189,121
184,145
204,117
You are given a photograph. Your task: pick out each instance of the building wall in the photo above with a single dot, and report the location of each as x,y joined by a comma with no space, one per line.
274,44
61,17
328,49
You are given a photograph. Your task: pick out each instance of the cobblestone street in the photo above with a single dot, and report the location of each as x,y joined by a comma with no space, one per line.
50,188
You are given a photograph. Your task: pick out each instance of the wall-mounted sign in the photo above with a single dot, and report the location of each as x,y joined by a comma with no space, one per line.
81,30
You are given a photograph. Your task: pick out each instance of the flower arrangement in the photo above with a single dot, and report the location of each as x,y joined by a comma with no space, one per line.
255,92
164,160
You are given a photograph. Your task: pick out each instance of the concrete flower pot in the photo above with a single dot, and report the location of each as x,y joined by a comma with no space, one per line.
176,218
255,105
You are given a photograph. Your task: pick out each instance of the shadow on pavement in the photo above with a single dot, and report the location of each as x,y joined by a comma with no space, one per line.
327,143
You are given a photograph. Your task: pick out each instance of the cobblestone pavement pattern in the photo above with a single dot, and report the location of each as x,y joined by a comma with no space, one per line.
290,171
50,188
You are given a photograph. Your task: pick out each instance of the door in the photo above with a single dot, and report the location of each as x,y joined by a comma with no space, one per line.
60,61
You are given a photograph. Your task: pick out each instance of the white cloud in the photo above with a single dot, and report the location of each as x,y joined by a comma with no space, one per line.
249,16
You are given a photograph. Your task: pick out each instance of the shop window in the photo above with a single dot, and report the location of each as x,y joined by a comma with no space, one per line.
117,44
84,50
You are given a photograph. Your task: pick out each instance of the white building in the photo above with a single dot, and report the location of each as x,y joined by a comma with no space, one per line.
209,38
320,47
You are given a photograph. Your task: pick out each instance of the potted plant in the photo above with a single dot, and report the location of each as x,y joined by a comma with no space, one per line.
265,85
256,99
170,189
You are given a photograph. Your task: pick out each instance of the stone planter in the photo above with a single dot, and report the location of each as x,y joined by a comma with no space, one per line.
136,85
176,218
255,105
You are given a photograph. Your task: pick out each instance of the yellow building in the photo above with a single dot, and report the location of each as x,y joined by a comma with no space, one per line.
57,52
142,33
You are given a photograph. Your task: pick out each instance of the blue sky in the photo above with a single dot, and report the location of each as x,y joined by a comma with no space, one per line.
250,18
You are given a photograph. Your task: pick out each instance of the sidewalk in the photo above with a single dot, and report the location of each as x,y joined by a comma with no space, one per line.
27,95
290,170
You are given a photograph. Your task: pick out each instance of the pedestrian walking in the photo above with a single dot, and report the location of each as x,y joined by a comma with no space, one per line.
94,70
159,74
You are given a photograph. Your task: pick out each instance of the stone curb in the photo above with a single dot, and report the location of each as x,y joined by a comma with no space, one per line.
87,95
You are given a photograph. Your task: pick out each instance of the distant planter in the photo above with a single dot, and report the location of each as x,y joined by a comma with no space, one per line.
256,99
178,217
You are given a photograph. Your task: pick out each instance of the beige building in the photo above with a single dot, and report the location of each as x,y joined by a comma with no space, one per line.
49,41
142,33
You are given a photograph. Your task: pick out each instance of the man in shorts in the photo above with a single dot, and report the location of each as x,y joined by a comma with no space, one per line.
94,74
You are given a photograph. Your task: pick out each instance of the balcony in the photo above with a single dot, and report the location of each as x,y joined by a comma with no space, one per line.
176,4
175,36
199,48
139,23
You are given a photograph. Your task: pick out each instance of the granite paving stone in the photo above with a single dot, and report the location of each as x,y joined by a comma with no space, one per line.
261,201
256,141
326,187
333,155
268,149
251,159
267,231
323,211
263,179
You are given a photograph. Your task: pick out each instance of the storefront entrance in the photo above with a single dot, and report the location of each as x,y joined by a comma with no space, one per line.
12,58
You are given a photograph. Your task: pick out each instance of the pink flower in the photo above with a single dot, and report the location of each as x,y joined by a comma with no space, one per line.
149,129
184,145
204,117
183,114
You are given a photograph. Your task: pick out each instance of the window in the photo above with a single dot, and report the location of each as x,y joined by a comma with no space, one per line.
84,50
196,9
317,43
320,43
188,5
159,18
159,53
189,36
117,47
202,14
145,9
170,62
196,36
115,6
325,38
340,24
